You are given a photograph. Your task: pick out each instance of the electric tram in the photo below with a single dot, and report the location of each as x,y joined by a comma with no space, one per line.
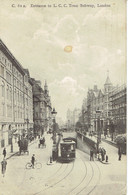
67,150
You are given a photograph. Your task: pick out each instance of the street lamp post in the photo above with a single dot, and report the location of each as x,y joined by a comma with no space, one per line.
98,113
27,122
54,113
55,147
11,142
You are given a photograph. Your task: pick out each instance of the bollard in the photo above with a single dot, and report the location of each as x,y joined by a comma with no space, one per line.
106,158
50,159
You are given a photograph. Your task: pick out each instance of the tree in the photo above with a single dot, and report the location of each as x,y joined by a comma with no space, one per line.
78,125
121,142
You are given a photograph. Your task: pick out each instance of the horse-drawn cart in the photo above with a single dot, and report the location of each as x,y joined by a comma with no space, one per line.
23,146
42,143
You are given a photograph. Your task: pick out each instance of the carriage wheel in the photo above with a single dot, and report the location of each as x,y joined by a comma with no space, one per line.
38,165
28,165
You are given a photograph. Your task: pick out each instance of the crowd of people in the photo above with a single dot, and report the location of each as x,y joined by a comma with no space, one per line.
100,155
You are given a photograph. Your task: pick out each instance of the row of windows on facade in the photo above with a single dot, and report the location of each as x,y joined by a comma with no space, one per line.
99,100
17,74
17,96
5,61
28,92
119,111
18,113
21,115
17,83
8,65
116,106
8,91
9,110
119,91
117,96
104,115
8,75
20,86
120,118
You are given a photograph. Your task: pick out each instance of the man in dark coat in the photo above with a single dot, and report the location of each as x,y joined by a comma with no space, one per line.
3,166
91,155
4,152
33,160
119,153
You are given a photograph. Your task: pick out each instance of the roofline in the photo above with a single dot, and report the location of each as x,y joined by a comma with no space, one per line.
13,59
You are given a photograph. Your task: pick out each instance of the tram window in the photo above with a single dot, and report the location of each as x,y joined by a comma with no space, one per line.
72,148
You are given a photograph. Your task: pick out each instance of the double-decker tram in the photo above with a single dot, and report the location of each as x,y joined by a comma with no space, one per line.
67,150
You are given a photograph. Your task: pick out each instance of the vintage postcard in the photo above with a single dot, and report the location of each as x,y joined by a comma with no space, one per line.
63,97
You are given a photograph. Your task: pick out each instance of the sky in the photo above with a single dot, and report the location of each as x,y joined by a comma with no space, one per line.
38,38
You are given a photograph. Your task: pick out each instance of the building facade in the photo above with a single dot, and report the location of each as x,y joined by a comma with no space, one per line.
118,99
98,106
41,108
72,118
16,100
104,108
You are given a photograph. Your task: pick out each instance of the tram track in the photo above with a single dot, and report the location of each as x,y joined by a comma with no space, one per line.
59,181
41,180
76,190
81,180
84,179
97,181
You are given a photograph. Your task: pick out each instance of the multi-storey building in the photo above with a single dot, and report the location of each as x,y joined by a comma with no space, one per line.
15,98
106,106
42,108
118,108
28,103
98,106
72,118
83,118
48,108
76,114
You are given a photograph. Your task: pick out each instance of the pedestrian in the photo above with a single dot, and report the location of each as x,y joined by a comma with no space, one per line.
102,155
95,152
119,153
106,158
33,160
4,152
3,166
43,140
91,155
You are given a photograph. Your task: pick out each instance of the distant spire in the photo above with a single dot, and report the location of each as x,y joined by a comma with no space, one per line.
45,86
107,82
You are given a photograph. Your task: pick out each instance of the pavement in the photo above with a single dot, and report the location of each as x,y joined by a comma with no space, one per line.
109,146
107,139
9,154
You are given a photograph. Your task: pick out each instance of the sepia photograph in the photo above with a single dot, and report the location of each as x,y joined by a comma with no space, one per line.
63,97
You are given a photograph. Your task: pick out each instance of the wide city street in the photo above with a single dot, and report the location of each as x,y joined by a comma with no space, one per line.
81,176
